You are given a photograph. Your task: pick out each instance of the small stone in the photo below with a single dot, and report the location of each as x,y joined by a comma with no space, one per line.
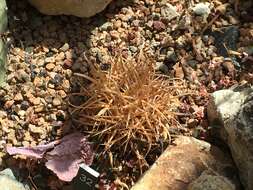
49,60
57,101
49,99
133,49
18,97
68,63
35,129
62,93
24,105
117,24
159,26
8,104
50,66
60,57
106,26
52,74
43,73
12,137
21,113
50,85
68,73
161,67
35,101
57,80
22,76
38,82
171,56
3,114
25,143
39,109
202,9
169,12
52,117
69,55
65,85
65,47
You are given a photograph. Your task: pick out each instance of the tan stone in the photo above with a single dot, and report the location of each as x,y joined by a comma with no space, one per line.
179,165
80,8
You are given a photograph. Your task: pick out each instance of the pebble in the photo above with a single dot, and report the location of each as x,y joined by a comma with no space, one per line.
35,129
3,114
49,60
57,101
62,93
58,79
60,57
22,113
68,63
64,48
171,56
202,9
169,12
22,76
50,66
18,97
24,105
161,67
66,85
39,109
35,100
38,82
8,104
106,26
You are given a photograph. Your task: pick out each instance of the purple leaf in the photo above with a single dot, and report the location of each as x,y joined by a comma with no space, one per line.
66,170
65,158
34,152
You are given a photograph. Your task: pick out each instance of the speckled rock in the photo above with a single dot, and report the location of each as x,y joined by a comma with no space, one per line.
181,164
231,112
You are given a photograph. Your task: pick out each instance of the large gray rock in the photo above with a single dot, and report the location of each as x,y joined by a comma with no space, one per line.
9,182
181,164
80,8
232,110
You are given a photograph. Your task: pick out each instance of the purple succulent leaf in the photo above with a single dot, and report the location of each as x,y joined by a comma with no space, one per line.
65,158
34,152
65,169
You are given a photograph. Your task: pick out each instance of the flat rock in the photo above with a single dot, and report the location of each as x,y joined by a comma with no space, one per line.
231,110
80,8
179,165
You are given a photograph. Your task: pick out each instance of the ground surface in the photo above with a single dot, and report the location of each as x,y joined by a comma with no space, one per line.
45,51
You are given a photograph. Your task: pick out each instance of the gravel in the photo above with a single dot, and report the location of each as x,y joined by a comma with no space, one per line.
47,50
